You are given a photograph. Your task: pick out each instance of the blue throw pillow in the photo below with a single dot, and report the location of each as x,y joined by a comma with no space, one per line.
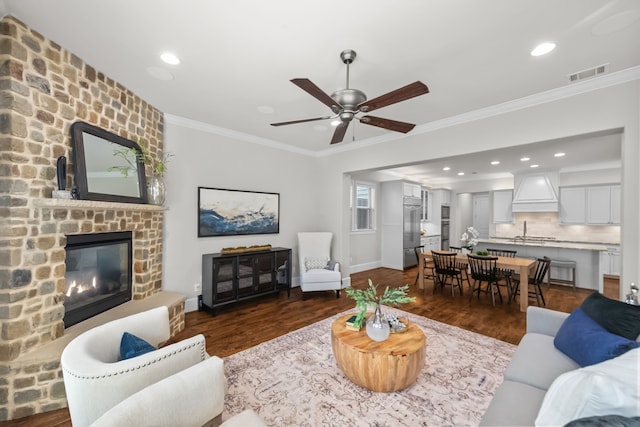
587,343
132,346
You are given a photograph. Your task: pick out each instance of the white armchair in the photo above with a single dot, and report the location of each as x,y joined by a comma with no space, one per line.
178,384
318,272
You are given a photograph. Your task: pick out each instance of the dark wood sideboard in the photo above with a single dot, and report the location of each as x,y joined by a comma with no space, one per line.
231,278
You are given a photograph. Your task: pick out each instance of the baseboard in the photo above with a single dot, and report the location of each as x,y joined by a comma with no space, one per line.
364,267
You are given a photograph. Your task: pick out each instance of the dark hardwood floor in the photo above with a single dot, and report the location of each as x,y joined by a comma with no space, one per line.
243,326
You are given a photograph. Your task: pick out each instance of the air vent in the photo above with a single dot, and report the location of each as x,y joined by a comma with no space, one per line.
587,74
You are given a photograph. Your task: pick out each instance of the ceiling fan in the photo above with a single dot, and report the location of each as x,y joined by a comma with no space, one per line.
346,103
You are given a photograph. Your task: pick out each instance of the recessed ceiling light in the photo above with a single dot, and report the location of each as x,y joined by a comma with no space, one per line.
336,122
533,166
495,162
558,155
460,173
446,168
543,48
170,58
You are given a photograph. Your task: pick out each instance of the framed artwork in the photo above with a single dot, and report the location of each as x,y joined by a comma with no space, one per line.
234,212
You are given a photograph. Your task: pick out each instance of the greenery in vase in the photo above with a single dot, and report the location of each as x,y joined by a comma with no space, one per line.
133,156
364,297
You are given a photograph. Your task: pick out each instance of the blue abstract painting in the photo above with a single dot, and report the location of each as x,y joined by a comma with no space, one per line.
233,212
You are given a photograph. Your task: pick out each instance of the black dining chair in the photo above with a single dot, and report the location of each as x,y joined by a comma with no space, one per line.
462,266
447,271
429,267
483,269
504,274
534,282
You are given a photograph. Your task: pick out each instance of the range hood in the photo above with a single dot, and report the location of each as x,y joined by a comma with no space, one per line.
536,192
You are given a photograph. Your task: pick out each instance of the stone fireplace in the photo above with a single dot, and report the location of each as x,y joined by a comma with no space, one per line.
44,89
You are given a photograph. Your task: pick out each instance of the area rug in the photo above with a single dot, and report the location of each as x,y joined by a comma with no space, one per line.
293,380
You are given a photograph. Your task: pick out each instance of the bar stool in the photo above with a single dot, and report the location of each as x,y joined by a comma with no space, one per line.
565,264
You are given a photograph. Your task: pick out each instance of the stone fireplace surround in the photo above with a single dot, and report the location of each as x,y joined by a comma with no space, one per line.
43,90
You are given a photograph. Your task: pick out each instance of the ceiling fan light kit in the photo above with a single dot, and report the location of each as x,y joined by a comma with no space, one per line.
348,102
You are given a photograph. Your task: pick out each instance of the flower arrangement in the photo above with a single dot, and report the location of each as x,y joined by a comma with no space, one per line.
469,238
364,297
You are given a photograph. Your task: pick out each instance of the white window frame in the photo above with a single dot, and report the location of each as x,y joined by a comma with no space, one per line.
372,206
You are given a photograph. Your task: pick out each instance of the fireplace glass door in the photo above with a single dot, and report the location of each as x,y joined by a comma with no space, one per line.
98,275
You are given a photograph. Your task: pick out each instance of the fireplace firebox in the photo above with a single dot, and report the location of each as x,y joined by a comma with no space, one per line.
99,274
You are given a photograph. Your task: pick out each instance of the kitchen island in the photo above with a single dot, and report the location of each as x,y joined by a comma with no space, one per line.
589,271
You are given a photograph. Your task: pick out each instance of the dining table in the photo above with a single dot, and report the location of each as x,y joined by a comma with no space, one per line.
519,265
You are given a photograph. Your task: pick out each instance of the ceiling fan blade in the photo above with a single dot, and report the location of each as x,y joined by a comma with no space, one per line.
313,90
293,122
338,135
407,92
387,123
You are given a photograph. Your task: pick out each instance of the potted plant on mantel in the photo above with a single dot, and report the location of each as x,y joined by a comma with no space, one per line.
377,326
155,184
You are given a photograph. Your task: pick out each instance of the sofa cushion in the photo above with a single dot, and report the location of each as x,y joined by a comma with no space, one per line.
615,316
537,362
607,388
132,346
585,341
513,404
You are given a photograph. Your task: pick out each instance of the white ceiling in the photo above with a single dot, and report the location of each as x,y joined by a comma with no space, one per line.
238,56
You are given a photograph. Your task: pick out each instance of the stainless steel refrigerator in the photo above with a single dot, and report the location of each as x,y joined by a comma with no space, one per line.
411,230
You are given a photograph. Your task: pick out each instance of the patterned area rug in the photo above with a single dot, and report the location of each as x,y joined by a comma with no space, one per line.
293,380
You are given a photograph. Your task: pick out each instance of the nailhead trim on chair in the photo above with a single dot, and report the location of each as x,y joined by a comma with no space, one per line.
203,355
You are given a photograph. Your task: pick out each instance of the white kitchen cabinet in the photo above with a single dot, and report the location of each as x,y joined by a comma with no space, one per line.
426,204
611,261
502,211
573,205
438,198
411,190
603,205
441,197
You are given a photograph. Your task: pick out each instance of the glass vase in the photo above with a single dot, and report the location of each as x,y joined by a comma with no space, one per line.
377,326
156,190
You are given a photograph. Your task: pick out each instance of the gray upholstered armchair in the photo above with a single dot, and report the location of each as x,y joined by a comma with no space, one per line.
318,272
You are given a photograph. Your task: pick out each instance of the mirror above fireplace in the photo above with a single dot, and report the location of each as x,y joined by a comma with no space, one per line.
106,167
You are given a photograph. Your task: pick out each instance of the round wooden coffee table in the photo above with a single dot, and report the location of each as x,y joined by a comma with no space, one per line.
385,366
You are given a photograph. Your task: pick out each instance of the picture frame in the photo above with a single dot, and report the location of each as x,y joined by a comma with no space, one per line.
223,212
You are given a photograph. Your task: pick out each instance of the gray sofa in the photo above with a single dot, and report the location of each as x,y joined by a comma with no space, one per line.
534,366
536,363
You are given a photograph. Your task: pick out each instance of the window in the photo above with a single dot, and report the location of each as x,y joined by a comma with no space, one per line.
363,199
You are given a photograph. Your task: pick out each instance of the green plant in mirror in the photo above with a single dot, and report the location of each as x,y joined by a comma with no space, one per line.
131,156
364,297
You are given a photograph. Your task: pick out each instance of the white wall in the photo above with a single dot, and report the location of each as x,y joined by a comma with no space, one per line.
203,158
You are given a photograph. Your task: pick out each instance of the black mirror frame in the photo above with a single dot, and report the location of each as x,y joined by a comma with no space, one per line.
77,129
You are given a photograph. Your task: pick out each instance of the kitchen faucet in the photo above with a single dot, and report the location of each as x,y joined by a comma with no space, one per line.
524,232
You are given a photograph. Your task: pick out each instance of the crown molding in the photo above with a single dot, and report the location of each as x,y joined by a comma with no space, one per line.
572,89
233,134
